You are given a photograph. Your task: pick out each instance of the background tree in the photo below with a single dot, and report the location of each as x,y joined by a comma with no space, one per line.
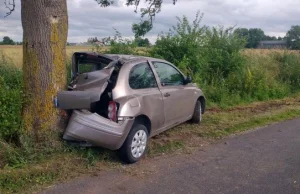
141,29
142,42
106,40
266,37
7,41
45,30
242,32
293,38
281,38
92,40
253,36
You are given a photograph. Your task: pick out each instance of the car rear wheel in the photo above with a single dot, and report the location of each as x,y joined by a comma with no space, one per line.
135,144
197,115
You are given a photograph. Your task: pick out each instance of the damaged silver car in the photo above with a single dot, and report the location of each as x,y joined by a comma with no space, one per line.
120,101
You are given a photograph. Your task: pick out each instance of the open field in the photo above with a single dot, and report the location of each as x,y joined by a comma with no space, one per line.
14,54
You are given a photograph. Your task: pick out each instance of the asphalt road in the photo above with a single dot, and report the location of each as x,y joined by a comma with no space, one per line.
265,160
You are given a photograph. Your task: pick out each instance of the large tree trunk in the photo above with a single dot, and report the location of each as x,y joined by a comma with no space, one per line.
45,25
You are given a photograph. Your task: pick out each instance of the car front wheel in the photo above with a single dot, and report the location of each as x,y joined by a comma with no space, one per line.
197,115
135,144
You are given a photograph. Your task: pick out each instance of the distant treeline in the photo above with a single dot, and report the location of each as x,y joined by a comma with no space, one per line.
255,35
8,41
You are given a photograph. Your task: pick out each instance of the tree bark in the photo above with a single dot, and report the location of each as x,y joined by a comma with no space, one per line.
45,30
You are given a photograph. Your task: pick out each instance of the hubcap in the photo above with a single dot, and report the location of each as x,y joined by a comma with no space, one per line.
138,144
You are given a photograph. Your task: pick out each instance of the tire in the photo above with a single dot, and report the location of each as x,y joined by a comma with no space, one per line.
197,115
139,135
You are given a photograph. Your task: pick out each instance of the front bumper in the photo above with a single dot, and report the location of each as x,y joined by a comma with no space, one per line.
97,130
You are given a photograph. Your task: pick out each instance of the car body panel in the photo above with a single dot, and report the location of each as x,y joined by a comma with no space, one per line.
69,100
147,102
175,104
179,101
162,111
90,127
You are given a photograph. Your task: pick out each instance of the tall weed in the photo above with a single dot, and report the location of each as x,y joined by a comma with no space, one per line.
11,100
289,67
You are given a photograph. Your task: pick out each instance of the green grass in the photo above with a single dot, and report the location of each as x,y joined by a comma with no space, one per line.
253,123
168,146
19,181
66,162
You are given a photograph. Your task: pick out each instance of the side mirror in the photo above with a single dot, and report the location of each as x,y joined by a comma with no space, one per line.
188,79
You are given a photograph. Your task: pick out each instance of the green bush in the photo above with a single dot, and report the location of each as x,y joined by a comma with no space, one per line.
222,53
211,55
289,64
11,100
183,45
120,45
216,60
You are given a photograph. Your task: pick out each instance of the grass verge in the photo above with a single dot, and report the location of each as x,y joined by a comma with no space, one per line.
70,162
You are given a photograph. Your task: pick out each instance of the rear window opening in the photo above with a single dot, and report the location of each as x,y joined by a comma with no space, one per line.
89,66
89,62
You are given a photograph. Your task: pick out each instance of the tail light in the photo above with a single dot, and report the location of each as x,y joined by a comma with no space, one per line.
112,111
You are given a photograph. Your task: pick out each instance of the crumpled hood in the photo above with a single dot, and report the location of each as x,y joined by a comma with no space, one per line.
87,88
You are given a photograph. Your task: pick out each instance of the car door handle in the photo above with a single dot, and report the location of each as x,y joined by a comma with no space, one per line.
167,95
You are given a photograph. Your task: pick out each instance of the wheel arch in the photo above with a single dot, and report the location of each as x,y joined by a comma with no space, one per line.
143,119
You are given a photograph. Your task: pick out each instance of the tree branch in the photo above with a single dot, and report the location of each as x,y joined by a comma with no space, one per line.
154,6
104,3
10,6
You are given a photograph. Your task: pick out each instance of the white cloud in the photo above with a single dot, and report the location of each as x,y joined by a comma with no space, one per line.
87,19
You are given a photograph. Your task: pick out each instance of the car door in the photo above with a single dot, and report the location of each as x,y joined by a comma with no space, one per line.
143,83
177,97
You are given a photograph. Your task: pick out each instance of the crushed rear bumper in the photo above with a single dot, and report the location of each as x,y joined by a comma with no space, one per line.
97,130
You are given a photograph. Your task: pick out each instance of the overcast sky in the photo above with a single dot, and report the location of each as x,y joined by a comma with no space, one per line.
87,19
